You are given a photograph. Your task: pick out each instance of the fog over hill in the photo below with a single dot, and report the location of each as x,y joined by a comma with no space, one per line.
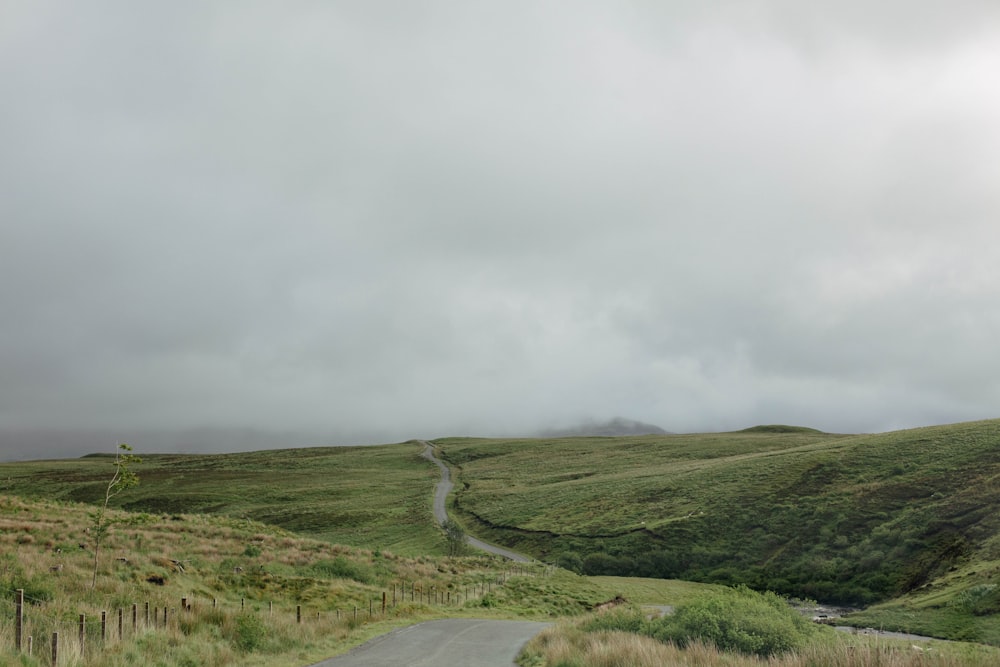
28,444
53,443
613,427
362,222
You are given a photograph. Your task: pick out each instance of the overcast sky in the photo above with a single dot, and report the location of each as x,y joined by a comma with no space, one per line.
372,221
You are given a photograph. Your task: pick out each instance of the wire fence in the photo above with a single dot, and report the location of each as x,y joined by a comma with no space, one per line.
46,628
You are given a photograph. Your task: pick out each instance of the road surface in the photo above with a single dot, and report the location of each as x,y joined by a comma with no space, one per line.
467,642
440,513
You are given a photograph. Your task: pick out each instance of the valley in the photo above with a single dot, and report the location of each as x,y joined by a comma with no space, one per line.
902,525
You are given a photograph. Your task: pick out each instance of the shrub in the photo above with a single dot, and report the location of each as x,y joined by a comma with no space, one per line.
37,589
980,600
249,632
343,568
489,601
570,560
627,620
597,564
737,619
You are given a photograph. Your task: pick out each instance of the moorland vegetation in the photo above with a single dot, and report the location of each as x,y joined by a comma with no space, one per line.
846,519
904,524
227,591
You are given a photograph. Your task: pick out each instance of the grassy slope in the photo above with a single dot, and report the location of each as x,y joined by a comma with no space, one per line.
849,517
277,567
373,497
844,518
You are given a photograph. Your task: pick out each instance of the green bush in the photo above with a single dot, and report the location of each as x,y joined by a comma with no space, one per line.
342,568
597,564
981,600
737,619
249,632
627,620
37,589
570,560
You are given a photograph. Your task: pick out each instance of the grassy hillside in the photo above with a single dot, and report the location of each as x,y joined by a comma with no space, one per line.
906,519
840,518
372,497
244,582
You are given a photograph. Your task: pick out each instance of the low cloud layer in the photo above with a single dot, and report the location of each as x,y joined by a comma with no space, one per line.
375,221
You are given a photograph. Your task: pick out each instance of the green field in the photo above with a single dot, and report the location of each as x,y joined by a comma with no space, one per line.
247,584
372,497
905,523
908,518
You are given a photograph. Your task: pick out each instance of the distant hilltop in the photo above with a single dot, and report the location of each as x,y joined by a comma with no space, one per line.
779,428
614,427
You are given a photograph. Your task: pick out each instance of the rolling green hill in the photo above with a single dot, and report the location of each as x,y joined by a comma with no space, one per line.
907,521
371,497
258,595
841,518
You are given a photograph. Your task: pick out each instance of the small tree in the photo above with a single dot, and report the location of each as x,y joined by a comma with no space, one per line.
122,480
455,537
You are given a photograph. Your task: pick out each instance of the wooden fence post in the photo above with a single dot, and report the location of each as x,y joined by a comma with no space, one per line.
104,626
164,617
121,624
30,645
147,613
298,613
270,607
55,649
184,604
135,617
83,629
383,603
20,619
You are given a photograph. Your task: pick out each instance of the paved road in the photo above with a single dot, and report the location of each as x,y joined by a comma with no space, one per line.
456,641
440,513
444,487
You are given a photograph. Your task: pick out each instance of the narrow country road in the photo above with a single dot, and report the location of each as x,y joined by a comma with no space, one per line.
467,642
441,514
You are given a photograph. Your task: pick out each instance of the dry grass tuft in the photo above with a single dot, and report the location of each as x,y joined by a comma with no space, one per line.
566,645
252,572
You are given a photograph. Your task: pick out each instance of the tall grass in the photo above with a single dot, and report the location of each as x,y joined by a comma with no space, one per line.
566,646
845,519
244,583
367,497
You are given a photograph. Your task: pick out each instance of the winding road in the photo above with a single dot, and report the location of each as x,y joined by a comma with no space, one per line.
444,487
468,642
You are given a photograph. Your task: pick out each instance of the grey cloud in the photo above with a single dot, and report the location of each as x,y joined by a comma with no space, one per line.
386,219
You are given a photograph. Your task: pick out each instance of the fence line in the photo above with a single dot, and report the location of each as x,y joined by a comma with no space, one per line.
92,631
